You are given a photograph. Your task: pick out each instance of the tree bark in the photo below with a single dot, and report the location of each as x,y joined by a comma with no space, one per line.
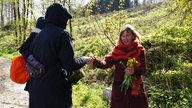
70,21
26,5
64,1
1,11
15,20
31,13
19,22
24,21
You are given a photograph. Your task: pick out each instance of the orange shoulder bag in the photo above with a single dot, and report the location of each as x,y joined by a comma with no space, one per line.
18,73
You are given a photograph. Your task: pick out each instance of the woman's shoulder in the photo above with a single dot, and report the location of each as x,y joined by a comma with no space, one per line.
140,46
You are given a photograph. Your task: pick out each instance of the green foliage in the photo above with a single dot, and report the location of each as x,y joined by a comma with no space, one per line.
9,26
9,43
169,65
88,96
168,50
172,91
8,29
8,48
183,7
104,6
181,41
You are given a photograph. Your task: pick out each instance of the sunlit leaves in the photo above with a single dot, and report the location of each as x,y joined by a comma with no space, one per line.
185,6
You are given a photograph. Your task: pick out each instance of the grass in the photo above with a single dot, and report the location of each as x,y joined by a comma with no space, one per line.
88,96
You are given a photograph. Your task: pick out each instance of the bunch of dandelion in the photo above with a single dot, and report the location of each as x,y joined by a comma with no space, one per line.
127,82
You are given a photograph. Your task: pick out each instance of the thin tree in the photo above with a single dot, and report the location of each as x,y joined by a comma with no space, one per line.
25,17
136,3
15,20
69,4
24,20
1,12
18,22
32,17
64,1
9,12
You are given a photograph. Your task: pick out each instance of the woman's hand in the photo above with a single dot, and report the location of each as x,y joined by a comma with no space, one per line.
89,61
129,71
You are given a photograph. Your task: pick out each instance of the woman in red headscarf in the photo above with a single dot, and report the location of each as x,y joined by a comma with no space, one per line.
127,47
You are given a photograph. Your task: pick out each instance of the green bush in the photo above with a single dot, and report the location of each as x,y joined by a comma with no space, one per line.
172,91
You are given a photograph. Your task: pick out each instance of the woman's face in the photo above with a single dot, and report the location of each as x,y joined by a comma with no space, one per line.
127,37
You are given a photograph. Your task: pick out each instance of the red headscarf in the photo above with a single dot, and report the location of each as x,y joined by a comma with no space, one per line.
123,52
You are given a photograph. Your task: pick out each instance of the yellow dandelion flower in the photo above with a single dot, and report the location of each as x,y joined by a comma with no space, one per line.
96,51
130,61
131,65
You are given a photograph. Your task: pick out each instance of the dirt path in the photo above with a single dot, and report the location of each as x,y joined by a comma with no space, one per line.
12,95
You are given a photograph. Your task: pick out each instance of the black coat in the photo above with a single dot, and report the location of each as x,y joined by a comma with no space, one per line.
52,47
25,47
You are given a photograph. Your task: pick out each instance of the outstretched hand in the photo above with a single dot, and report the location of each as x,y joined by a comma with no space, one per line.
89,61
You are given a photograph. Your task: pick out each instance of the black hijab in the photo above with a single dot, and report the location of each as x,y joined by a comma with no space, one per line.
58,15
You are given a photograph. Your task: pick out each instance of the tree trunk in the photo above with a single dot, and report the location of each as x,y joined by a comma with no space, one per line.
1,11
70,21
64,1
19,22
32,16
43,7
136,3
15,20
26,5
10,13
24,21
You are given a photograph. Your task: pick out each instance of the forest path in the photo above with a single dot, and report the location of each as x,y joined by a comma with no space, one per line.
12,95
